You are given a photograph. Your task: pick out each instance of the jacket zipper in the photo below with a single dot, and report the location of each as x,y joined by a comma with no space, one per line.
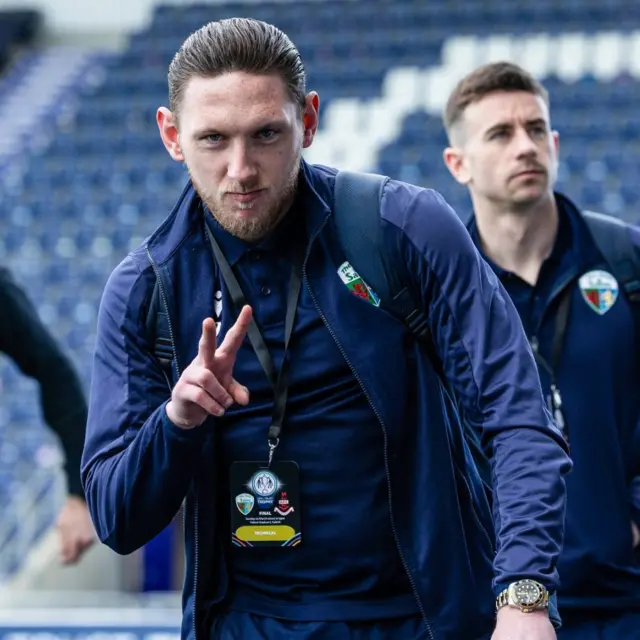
184,511
384,432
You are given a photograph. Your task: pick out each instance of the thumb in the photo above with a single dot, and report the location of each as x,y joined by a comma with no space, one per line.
238,392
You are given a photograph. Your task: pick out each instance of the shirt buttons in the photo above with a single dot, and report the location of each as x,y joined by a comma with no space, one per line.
265,291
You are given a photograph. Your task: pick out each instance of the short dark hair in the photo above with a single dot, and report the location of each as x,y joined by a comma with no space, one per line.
489,78
236,44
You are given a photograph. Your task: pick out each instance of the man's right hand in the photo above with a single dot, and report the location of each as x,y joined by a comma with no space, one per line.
207,387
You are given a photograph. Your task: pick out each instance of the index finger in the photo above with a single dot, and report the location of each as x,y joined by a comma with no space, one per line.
207,343
235,336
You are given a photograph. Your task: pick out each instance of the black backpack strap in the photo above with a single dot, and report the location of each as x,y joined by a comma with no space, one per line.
356,211
157,326
613,239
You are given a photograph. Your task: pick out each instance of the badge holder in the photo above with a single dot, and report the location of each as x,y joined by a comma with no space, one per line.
265,497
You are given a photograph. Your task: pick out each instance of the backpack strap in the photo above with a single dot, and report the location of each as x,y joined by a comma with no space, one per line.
356,211
613,239
157,325
612,236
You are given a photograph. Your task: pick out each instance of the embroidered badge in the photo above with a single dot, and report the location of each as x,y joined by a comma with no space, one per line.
357,285
599,290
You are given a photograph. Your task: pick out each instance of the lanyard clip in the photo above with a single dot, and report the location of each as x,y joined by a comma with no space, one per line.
273,443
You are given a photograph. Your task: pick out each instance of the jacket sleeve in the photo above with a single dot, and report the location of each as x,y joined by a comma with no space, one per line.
25,339
137,465
489,365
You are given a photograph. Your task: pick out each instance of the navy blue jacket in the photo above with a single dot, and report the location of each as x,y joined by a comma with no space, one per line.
598,375
138,467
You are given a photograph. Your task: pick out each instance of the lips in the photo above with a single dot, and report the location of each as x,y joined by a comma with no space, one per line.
529,173
247,197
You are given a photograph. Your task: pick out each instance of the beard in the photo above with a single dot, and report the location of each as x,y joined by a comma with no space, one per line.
265,215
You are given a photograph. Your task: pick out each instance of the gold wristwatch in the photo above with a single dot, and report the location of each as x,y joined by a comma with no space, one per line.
526,595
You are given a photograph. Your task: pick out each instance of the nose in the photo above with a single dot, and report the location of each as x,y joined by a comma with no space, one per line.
524,143
241,168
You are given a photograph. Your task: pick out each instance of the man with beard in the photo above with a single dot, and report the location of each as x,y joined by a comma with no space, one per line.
580,325
307,432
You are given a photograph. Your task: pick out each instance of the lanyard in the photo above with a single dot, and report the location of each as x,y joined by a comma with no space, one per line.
560,329
279,382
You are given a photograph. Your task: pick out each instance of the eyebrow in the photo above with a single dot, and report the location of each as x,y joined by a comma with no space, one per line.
501,126
268,124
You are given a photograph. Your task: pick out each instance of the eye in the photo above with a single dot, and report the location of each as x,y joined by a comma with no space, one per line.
498,135
267,134
538,131
214,138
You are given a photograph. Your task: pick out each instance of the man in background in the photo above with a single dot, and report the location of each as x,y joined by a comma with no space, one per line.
580,325
25,339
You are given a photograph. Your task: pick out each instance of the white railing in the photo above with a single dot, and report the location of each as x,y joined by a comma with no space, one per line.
30,512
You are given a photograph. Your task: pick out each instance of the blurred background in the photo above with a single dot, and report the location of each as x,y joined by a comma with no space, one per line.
84,178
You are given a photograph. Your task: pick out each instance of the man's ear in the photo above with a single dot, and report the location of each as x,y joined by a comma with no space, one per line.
454,160
310,118
168,126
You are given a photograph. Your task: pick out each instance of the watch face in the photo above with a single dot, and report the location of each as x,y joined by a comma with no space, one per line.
527,592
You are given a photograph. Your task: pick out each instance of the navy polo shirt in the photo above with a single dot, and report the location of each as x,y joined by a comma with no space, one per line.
532,301
348,566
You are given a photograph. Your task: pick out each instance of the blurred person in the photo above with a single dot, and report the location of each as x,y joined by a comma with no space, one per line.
580,325
295,401
25,339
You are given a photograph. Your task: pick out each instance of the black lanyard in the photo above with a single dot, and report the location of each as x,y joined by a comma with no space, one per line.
280,383
560,329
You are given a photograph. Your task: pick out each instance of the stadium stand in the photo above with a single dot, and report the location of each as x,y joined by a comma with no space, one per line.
91,178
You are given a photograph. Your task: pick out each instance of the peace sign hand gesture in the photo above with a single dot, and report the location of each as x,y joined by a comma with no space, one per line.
207,386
